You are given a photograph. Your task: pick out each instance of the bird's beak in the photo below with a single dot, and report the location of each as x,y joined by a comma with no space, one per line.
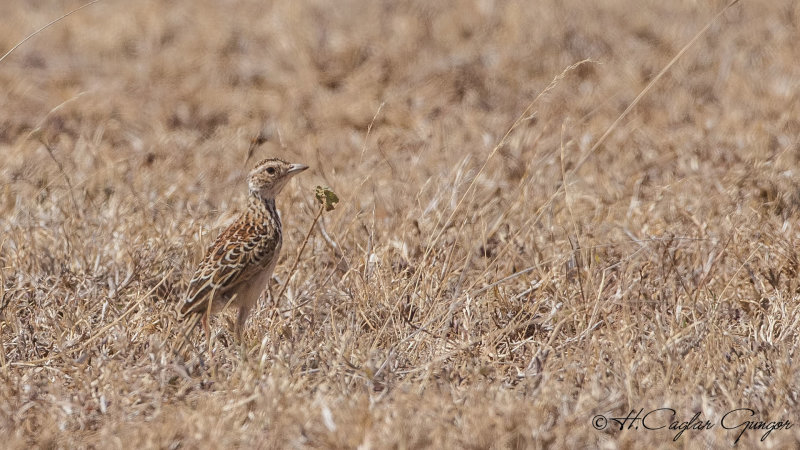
296,168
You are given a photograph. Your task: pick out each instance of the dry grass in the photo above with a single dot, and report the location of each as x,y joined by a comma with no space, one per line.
662,273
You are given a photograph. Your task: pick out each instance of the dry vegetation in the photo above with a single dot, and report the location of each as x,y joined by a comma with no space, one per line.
660,273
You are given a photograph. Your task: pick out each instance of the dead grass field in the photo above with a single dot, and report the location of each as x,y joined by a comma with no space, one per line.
661,273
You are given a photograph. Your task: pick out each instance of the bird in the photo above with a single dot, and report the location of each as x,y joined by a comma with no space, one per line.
238,266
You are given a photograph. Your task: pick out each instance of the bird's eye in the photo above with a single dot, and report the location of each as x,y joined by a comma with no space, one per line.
270,170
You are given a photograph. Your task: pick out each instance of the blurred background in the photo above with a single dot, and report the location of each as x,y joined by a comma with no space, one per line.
184,86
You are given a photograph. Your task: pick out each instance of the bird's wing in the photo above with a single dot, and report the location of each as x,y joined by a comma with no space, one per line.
234,258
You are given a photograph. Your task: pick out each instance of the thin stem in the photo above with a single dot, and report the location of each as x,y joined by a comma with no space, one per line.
46,27
302,247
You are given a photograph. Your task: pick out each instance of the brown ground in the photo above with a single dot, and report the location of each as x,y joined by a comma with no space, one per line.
660,273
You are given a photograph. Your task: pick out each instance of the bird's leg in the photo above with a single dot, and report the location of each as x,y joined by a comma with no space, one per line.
241,318
270,298
207,329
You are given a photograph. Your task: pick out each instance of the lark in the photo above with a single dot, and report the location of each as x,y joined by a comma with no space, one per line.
237,267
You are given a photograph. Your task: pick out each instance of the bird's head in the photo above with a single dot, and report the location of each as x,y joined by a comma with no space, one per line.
269,177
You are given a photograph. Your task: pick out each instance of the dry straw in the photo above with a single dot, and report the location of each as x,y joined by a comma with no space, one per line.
480,284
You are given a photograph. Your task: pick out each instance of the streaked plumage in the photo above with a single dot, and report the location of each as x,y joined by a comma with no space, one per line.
238,265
